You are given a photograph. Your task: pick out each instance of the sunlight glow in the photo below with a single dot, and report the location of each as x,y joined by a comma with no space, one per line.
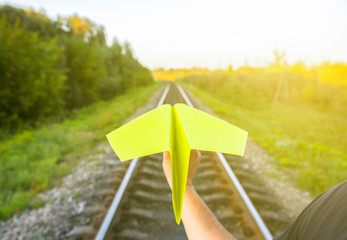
215,34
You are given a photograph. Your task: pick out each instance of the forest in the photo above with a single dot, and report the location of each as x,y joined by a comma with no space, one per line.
49,68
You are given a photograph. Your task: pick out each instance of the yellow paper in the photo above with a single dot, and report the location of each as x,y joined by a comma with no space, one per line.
176,129
145,135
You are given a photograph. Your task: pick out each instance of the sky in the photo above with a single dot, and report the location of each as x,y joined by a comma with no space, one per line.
214,34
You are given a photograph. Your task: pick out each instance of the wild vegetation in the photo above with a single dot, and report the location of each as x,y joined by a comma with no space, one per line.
62,89
35,160
48,68
298,114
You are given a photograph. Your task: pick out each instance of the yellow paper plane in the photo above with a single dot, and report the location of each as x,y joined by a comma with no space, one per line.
176,129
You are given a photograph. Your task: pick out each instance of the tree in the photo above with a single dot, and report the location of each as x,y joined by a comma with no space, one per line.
82,27
31,76
85,68
134,74
30,20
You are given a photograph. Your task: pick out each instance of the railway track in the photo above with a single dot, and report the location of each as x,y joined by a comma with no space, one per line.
142,209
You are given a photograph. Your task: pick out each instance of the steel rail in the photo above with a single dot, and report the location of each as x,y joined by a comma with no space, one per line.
162,99
264,230
122,187
184,95
259,221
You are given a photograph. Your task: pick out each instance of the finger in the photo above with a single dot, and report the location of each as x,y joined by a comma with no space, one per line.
166,155
198,154
195,154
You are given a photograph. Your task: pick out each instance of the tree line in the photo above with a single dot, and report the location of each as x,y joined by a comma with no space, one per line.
50,67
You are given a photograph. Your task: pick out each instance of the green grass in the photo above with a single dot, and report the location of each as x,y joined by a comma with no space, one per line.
309,144
33,161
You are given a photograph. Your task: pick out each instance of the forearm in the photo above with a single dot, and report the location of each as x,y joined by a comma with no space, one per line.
198,220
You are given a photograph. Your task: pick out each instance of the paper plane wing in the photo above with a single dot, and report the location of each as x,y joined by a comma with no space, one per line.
208,133
145,135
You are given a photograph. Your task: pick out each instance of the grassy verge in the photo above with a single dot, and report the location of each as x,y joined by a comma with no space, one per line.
32,161
309,145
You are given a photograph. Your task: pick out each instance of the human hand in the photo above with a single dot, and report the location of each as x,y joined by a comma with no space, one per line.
194,161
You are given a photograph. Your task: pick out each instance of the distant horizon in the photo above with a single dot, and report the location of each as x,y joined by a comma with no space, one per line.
242,66
214,35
